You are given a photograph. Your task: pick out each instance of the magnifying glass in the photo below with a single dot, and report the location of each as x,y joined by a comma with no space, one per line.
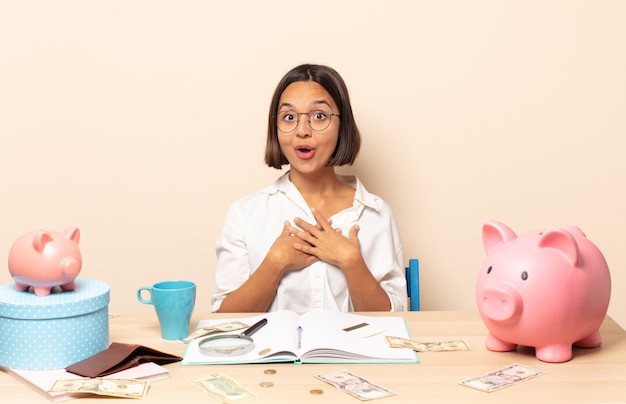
230,344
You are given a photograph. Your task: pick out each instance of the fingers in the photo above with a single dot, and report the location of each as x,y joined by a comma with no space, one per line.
286,229
321,220
306,227
354,231
322,224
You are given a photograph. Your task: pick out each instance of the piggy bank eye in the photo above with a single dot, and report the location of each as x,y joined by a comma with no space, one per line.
489,270
524,275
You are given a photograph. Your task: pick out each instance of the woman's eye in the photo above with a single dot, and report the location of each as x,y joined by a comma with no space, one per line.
287,116
319,115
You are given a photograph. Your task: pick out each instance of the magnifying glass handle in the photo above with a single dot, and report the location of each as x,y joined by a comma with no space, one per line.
255,327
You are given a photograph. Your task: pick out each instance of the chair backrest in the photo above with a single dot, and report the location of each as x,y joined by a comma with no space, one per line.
413,284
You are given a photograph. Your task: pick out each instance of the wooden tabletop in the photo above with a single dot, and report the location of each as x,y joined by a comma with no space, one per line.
593,375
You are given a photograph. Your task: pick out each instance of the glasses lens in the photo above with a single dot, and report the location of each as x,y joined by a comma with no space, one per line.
319,120
287,121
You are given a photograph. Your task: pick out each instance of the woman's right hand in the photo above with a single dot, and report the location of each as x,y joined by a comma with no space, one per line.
284,257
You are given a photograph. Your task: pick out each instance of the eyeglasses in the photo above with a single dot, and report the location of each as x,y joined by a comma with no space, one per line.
287,121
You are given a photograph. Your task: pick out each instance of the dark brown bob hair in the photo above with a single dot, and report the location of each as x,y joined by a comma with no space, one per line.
349,141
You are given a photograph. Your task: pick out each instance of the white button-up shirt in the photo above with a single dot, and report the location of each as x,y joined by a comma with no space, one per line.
254,222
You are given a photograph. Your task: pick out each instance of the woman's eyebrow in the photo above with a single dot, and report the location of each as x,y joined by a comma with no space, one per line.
316,102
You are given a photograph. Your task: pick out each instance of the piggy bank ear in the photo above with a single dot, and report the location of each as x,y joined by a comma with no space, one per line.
575,230
563,241
72,234
496,233
41,239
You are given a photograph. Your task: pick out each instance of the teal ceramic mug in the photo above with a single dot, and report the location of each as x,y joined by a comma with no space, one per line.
173,302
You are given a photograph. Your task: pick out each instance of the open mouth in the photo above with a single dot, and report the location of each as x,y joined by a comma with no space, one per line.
305,152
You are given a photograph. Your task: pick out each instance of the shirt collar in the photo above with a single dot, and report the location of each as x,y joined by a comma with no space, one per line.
361,195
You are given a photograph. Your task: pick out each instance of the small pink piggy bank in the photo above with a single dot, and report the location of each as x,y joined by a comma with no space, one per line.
45,259
544,289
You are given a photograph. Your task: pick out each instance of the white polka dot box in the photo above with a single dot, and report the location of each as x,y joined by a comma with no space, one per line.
54,331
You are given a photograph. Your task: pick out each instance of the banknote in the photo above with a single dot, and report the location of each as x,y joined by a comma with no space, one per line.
224,327
354,385
432,346
221,387
502,378
126,388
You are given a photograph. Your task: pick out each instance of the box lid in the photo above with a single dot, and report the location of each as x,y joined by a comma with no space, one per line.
88,296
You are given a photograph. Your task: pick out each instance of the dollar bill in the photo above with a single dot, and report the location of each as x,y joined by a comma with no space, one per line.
432,346
126,388
354,385
224,327
221,387
502,378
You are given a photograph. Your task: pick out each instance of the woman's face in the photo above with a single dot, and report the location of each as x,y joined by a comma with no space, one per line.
307,150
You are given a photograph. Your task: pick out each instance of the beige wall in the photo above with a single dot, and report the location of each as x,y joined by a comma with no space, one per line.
141,121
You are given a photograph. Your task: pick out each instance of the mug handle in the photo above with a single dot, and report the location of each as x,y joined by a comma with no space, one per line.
141,299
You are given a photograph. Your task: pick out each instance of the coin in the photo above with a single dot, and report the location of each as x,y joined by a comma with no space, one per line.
316,392
264,351
269,371
266,384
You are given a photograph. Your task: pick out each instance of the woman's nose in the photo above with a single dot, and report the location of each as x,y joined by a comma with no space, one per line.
303,129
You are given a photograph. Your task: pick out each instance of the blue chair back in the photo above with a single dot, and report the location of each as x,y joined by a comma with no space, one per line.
413,284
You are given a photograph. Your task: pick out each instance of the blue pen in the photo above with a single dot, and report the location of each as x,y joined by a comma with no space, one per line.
299,337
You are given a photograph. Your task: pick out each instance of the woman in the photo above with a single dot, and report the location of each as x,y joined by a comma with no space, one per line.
312,239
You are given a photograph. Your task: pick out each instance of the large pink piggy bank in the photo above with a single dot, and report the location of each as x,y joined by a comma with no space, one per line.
45,259
544,289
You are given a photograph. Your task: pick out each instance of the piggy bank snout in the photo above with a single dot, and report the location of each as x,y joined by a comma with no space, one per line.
500,302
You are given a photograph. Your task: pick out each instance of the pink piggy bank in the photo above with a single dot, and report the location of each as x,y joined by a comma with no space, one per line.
45,259
544,289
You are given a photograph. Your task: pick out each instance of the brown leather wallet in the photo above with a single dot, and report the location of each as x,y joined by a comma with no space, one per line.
119,357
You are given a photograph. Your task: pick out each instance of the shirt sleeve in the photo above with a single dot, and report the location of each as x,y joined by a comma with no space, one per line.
396,288
233,268
393,281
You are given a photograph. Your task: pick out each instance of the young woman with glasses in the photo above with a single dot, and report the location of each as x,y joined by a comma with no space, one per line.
312,239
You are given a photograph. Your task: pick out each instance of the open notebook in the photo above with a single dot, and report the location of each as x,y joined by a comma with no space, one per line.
318,336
